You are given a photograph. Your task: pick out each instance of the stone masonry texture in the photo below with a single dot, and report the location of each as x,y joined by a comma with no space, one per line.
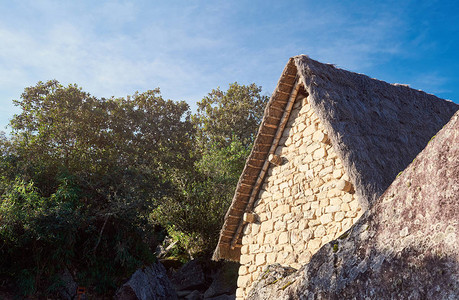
303,204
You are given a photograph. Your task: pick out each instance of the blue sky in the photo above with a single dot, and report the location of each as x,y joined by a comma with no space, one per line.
187,48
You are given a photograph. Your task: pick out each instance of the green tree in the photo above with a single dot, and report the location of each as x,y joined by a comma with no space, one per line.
236,113
226,124
80,176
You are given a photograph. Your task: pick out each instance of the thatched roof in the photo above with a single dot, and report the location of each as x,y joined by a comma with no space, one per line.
376,128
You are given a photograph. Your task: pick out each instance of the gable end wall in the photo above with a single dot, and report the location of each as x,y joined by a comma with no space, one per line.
303,203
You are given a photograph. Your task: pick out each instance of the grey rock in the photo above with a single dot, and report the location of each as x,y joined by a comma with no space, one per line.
224,280
223,297
69,286
190,276
148,283
195,295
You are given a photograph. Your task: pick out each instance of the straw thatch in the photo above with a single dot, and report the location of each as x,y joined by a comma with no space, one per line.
375,127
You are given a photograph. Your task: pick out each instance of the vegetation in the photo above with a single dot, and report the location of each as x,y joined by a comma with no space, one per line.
92,184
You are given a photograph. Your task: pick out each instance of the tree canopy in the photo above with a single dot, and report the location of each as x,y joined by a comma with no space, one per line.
91,184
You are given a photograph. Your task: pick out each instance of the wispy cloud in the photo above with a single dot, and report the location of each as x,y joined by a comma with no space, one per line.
117,47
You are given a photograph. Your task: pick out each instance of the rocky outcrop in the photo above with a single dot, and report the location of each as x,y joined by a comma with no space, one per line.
146,284
204,279
404,247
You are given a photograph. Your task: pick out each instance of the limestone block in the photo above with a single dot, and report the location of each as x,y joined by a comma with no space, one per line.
314,244
326,170
271,258
287,193
343,185
246,259
351,214
319,136
319,153
249,217
278,180
240,293
263,216
315,204
288,217
333,193
260,238
282,256
337,173
277,195
243,270
319,231
297,137
346,224
272,205
280,226
318,168
306,106
310,214
245,249
284,238
283,185
338,161
332,208
271,238
268,248
255,228
254,248
313,222
324,202
345,207
306,235
336,201
310,130
301,127
296,209
316,182
319,211
281,210
354,205
339,216
326,218
244,281
327,239
260,259
312,148
288,141
347,197
303,224
304,257
306,207
294,236
308,159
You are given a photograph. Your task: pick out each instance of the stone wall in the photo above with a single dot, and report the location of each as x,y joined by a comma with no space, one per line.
303,204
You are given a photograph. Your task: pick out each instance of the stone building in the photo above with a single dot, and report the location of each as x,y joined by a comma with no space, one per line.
331,141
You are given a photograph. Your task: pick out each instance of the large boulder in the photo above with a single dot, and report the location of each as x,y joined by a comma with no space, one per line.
404,247
224,281
190,276
148,283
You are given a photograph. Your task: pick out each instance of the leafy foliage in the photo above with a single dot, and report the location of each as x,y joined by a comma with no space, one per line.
79,177
236,113
226,124
86,182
